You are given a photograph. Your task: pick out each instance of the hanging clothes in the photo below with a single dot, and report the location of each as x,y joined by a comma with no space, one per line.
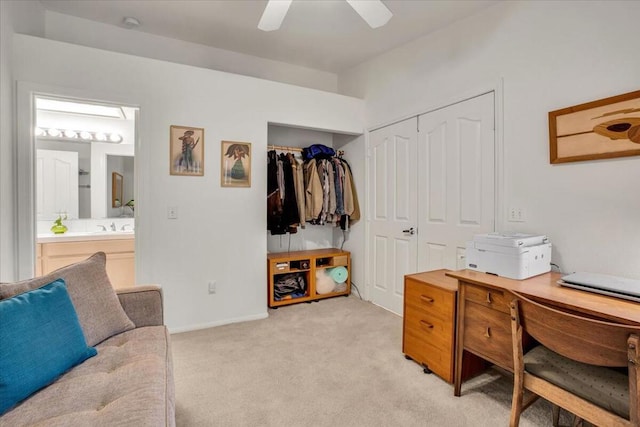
352,207
282,213
313,191
298,184
338,173
290,216
274,201
332,192
319,191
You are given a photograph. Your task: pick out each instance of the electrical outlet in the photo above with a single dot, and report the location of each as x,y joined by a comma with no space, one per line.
172,212
516,215
212,287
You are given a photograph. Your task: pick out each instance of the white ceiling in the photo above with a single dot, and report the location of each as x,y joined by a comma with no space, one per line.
325,35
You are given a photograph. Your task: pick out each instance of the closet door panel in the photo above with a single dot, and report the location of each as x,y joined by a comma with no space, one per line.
469,141
436,191
393,207
456,191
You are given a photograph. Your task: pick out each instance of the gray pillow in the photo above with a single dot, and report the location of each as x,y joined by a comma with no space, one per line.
99,311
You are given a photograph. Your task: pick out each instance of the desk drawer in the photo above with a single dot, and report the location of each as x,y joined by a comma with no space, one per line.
438,360
429,328
488,297
430,299
428,340
487,333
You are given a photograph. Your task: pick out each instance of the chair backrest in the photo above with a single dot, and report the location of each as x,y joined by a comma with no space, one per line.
579,338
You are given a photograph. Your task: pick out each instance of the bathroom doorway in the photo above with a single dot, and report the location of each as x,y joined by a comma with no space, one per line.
84,189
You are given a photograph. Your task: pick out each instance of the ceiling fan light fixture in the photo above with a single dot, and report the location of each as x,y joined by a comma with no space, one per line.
130,22
274,14
374,12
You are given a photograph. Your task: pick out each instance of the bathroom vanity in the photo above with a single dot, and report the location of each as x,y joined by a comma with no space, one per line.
56,251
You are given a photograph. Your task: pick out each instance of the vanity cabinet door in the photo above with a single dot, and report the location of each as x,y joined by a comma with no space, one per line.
120,257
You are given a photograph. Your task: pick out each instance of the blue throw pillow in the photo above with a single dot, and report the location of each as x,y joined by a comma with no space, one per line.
40,339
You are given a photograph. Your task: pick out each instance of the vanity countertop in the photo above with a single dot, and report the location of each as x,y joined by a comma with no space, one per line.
72,236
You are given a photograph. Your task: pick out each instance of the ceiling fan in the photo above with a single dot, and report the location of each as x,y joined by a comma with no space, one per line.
374,12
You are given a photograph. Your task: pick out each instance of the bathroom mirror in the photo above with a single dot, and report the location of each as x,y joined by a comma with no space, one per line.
92,142
116,190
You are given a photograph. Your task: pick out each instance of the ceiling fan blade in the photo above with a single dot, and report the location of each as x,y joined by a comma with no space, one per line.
274,14
373,11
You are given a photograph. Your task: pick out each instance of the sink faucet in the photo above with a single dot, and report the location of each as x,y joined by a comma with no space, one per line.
113,226
124,227
103,227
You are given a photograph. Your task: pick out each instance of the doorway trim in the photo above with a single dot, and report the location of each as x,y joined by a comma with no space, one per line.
25,164
497,87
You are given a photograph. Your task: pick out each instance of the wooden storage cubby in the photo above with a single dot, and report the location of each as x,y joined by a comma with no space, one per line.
307,264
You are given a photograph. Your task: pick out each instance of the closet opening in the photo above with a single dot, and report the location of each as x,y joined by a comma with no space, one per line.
326,224
312,203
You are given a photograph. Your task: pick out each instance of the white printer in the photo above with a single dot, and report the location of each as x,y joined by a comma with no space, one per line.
512,255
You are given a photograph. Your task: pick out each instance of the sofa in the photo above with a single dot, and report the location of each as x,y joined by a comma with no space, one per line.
123,376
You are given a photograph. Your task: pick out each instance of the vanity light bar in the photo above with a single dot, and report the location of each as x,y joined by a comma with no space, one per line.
78,135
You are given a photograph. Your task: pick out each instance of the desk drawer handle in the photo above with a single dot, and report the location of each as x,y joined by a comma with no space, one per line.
487,332
426,324
489,298
426,299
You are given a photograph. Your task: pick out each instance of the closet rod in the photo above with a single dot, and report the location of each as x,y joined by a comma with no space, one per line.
339,153
283,148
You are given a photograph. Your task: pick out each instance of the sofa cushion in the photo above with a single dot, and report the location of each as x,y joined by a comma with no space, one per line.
40,340
129,383
100,314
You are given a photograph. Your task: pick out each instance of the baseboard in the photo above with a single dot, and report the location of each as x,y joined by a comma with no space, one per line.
218,323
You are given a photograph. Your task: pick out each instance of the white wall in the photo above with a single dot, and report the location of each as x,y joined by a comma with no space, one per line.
353,239
220,232
102,36
551,55
14,16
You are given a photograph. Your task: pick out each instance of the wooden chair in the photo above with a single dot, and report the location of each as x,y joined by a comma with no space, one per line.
574,367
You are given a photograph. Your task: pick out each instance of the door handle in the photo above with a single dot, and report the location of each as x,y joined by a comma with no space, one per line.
411,231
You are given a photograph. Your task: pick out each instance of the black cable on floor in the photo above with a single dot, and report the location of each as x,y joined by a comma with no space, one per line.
357,290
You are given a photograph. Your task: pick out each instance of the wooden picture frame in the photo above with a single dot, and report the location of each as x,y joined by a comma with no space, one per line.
117,185
235,164
602,129
186,151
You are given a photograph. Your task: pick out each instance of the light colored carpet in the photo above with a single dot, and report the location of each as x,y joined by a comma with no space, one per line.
336,362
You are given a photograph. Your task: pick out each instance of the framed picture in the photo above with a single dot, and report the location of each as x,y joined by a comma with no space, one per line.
235,170
601,129
186,151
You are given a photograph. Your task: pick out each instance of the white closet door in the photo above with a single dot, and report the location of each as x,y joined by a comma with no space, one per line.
456,184
392,208
56,184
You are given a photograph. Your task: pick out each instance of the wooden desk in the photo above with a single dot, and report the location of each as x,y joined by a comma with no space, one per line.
484,324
